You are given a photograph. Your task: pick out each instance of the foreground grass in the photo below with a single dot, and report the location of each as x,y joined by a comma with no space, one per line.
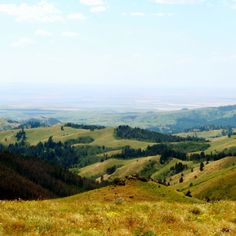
134,209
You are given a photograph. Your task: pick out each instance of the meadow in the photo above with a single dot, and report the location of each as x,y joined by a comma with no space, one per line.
138,208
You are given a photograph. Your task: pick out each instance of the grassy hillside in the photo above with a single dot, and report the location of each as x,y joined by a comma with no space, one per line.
218,142
164,170
203,134
124,167
222,143
216,181
135,209
103,137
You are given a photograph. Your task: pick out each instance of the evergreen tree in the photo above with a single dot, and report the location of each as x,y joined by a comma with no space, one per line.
201,166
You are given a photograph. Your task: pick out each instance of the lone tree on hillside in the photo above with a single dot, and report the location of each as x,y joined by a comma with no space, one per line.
201,166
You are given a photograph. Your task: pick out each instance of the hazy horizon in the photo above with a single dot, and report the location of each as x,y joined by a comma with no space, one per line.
82,97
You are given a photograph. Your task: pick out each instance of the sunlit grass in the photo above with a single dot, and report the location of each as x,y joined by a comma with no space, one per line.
102,137
127,210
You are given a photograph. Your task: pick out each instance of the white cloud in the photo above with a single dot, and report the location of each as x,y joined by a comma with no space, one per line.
70,34
96,6
42,33
76,16
39,12
177,1
22,42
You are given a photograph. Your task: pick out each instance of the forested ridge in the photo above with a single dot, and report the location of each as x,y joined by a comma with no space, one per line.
127,132
31,178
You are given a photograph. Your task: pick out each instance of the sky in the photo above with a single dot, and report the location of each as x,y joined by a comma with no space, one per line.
101,49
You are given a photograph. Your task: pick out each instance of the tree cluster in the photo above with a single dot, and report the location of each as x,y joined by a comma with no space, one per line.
60,153
82,126
159,149
179,167
127,132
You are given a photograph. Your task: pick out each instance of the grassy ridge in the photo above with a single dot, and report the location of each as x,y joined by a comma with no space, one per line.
126,167
216,181
135,209
220,144
103,137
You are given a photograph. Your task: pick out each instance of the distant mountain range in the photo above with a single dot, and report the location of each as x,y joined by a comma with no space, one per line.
167,122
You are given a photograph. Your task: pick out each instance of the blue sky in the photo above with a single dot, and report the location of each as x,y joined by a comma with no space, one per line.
136,44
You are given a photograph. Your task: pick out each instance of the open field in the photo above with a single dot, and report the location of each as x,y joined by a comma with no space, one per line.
135,209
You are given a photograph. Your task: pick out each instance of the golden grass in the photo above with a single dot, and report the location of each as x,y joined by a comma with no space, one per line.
118,211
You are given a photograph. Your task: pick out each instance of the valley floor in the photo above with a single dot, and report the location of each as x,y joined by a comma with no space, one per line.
138,208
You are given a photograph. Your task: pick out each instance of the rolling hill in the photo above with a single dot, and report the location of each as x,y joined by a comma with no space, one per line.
123,167
105,167
167,122
137,208
124,208
215,182
103,137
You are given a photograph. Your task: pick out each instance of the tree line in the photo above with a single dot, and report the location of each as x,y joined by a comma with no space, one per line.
82,126
63,154
127,132
167,153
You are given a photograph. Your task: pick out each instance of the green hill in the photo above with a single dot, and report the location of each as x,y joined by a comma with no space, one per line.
97,162
216,181
123,167
102,137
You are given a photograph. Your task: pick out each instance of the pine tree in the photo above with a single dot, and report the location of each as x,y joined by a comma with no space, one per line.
201,166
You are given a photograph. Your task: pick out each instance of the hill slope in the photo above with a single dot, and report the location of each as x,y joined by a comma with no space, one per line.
135,209
102,137
217,181
30,178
